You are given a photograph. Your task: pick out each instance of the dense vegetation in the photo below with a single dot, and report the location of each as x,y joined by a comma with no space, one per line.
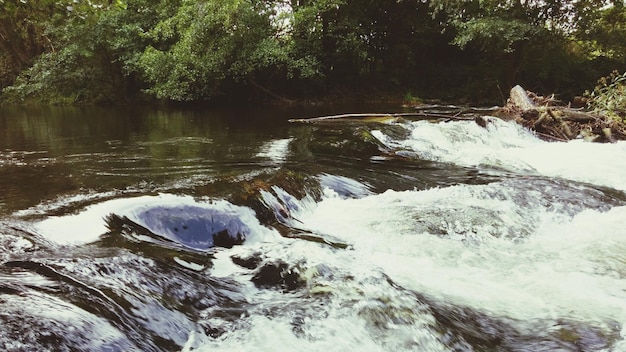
119,51
609,97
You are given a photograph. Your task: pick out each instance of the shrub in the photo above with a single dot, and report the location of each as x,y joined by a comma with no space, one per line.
609,96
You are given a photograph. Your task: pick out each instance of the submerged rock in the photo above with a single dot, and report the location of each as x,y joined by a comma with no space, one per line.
251,261
278,274
191,226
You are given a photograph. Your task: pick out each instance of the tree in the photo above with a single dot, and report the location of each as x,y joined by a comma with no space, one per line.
23,34
528,42
384,43
69,51
605,33
82,60
205,46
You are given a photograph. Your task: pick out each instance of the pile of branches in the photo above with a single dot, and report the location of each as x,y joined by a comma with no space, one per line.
552,121
546,116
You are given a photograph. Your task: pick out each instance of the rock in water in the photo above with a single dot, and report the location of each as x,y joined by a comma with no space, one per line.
519,97
194,226
191,226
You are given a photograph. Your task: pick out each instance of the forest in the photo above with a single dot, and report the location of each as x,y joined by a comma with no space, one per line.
260,51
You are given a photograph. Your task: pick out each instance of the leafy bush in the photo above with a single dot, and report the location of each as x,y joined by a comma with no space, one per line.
609,96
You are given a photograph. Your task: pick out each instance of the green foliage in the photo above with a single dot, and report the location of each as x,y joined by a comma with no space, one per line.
382,40
22,34
411,100
496,35
86,51
83,64
609,96
605,35
534,43
205,45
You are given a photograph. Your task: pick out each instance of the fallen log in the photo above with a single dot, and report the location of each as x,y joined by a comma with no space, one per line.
378,117
578,116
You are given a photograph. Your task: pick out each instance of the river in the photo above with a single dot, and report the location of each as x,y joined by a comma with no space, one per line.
204,229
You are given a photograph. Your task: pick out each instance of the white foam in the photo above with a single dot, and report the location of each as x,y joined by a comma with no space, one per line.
595,163
88,225
506,145
52,311
565,268
275,150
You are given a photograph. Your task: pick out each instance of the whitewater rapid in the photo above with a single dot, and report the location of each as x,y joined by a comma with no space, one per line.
509,146
539,250
533,260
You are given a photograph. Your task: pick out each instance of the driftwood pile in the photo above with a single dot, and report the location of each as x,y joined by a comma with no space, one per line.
543,115
559,123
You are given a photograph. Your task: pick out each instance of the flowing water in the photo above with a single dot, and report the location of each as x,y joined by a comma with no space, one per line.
238,230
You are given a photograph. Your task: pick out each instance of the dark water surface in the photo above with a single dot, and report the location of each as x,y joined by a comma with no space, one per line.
170,229
50,151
